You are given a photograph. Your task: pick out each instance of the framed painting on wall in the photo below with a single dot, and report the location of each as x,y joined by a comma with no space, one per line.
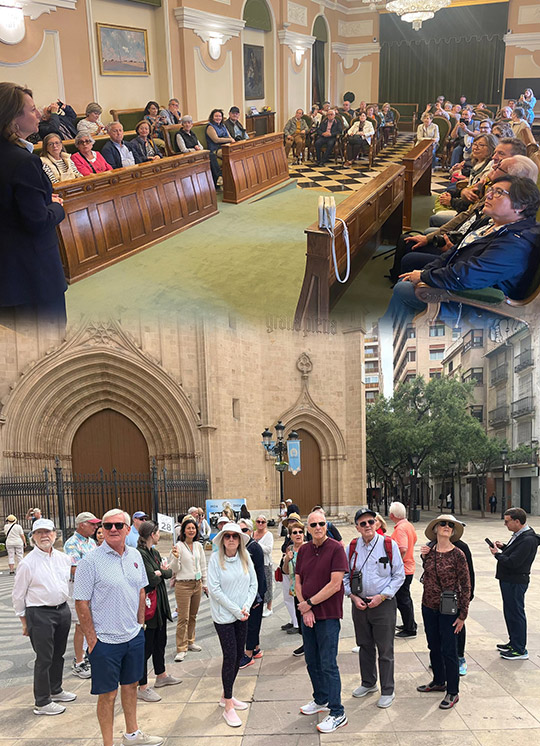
253,72
122,50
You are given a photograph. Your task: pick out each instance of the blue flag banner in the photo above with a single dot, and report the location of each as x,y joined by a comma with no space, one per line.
293,454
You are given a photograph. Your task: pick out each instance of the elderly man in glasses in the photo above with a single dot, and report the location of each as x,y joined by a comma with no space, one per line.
375,575
110,600
320,567
253,649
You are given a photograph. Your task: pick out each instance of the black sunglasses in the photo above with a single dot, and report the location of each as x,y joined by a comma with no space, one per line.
369,522
118,526
231,536
447,523
245,530
317,523
299,531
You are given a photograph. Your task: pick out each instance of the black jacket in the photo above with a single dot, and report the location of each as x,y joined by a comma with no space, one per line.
229,124
111,153
152,562
138,149
515,560
31,271
335,129
52,125
257,557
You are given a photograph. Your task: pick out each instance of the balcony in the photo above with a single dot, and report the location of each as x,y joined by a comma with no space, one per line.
498,416
523,360
523,406
499,374
371,355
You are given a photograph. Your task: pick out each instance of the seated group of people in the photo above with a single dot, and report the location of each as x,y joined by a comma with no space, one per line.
490,239
324,125
59,123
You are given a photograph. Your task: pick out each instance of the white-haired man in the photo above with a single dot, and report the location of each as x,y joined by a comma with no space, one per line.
40,595
110,601
405,537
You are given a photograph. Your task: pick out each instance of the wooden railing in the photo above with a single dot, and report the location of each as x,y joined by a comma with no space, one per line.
251,166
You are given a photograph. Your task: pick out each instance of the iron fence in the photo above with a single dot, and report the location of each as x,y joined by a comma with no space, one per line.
61,495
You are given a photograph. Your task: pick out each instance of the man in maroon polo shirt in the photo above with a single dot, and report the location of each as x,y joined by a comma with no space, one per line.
320,567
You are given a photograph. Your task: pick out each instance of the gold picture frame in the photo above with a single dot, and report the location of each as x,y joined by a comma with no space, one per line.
123,50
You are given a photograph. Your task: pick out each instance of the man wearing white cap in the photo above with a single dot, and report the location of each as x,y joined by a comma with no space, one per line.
40,595
76,547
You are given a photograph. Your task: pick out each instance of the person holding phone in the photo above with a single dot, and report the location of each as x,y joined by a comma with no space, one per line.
232,587
445,572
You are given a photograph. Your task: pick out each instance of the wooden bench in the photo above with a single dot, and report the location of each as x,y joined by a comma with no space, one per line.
373,213
128,117
417,162
112,215
251,166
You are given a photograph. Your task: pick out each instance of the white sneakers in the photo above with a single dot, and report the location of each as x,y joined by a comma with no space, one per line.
51,709
63,697
312,708
267,612
148,695
332,723
179,657
194,648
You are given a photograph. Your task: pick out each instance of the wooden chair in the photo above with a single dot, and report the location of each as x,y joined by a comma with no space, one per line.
444,130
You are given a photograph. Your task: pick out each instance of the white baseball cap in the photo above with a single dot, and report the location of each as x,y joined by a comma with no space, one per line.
43,523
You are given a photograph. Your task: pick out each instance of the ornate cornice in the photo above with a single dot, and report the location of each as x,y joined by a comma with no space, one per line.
295,41
340,7
351,52
208,25
35,8
525,41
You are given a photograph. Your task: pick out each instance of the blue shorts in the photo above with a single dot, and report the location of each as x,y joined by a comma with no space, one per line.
122,663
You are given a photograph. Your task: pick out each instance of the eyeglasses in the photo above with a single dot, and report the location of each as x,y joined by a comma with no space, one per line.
317,523
369,522
245,530
85,142
450,524
496,192
297,532
231,536
117,526
257,521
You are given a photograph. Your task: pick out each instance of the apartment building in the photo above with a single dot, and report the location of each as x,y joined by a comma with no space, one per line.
373,374
419,349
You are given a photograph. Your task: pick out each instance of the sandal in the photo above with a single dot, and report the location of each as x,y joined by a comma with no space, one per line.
431,687
449,701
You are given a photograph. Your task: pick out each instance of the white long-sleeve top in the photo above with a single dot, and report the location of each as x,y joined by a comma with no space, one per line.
266,543
190,565
230,589
16,535
42,579
367,131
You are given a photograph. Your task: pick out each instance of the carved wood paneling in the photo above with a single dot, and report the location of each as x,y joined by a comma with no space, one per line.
112,215
251,166
417,162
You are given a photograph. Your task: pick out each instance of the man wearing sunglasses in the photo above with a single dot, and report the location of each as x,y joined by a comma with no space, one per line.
110,602
375,575
133,535
320,567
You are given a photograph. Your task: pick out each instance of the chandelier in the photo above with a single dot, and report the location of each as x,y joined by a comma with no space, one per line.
416,11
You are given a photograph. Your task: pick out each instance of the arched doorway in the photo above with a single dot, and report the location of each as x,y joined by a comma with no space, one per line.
110,465
318,61
304,489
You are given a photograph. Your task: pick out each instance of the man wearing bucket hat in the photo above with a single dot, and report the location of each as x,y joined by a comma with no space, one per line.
445,604
76,547
40,595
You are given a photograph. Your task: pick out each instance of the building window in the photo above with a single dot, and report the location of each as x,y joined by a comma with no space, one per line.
436,330
410,332
474,374
372,366
524,432
436,354
371,397
477,411
411,356
435,374
450,366
456,333
372,379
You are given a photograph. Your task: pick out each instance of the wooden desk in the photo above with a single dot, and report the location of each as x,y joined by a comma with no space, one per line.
112,215
372,213
260,124
251,166
417,162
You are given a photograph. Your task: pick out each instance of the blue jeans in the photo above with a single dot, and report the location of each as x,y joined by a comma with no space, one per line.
320,652
513,596
442,644
403,303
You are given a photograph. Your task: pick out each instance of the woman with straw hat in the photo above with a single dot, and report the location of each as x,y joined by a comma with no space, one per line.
445,603
15,542
232,587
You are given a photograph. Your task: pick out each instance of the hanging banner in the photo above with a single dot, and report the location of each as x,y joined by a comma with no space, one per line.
214,508
293,455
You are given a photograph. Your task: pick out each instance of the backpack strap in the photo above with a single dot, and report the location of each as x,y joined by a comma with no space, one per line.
388,548
352,549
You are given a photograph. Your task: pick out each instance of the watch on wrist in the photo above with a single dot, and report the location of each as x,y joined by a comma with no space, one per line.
309,602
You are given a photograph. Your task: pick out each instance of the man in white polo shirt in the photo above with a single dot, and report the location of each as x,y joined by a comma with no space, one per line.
40,595
110,601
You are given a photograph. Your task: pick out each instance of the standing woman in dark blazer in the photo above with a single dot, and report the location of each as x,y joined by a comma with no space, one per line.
31,278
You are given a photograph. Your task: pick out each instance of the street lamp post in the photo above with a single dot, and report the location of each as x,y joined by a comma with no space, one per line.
413,512
278,449
453,468
504,459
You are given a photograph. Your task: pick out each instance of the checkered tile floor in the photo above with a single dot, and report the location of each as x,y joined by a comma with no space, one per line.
339,178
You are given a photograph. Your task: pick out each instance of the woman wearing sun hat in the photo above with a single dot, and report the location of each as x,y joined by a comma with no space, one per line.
232,587
15,542
445,570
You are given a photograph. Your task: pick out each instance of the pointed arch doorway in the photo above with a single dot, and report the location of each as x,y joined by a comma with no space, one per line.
110,465
304,489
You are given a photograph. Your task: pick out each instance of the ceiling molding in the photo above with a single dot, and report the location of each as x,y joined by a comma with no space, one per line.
208,25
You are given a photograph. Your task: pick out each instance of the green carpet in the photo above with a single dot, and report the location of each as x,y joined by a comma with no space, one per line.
248,260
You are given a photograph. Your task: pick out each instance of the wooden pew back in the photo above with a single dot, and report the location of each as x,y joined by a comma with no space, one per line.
251,166
417,162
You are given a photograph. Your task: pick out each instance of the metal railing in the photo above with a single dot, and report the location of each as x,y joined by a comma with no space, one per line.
523,360
523,406
499,374
500,414
61,495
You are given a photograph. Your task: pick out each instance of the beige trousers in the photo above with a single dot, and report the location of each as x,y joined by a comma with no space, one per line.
188,597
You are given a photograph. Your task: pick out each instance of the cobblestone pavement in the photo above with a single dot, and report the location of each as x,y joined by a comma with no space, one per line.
499,703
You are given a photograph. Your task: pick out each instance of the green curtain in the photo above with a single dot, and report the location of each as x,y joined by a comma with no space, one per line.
460,51
317,77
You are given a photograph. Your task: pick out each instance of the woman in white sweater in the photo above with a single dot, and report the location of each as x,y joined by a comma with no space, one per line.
15,542
188,563
232,585
266,541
